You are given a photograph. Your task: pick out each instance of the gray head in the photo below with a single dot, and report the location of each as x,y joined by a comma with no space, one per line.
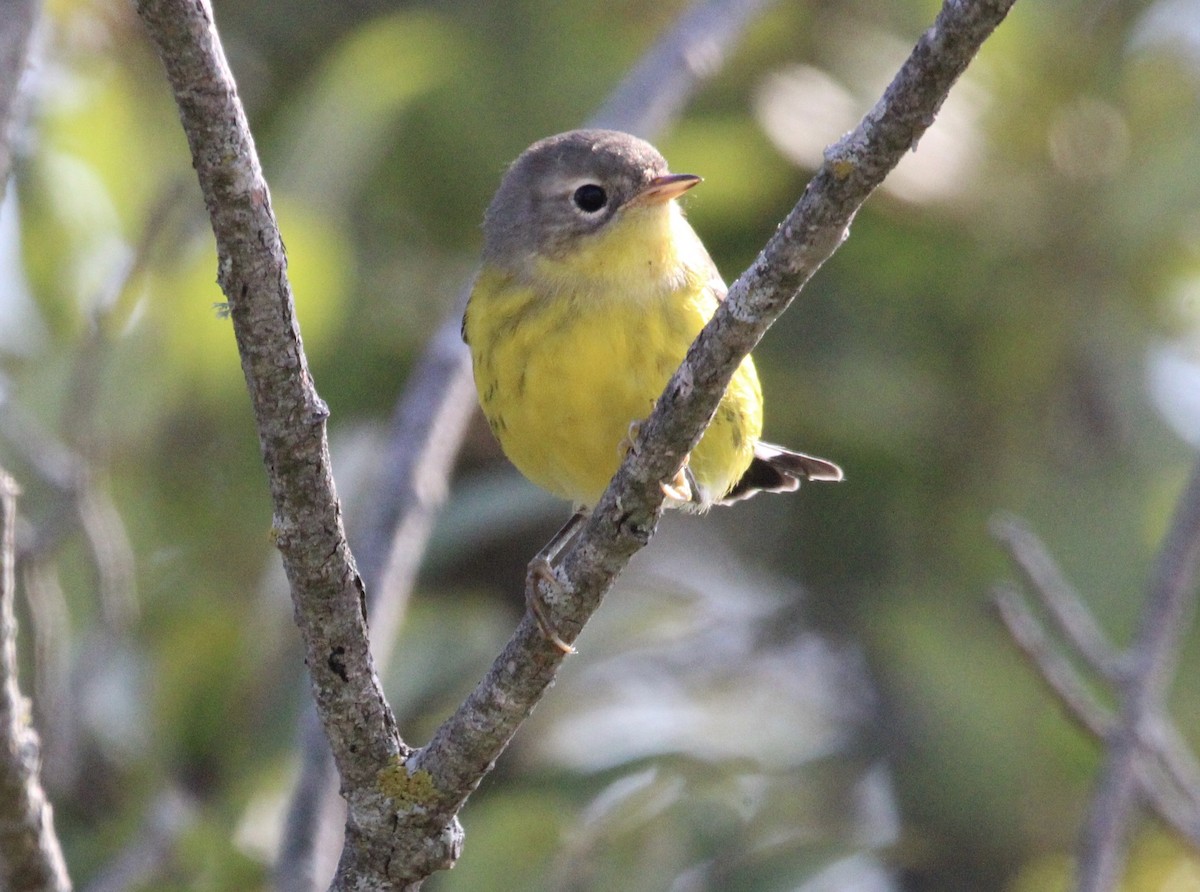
567,186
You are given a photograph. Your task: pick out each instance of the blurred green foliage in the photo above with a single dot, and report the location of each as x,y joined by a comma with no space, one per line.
979,344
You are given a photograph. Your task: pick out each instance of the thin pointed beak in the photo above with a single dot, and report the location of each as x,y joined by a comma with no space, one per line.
664,188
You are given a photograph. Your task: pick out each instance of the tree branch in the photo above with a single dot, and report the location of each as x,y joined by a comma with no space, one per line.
656,90
327,592
1084,637
427,429
1165,768
30,856
463,749
144,859
1053,667
1170,602
1063,604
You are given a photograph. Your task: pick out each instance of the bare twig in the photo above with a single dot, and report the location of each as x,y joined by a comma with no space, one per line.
1063,604
152,847
71,462
30,856
655,91
1161,737
327,592
66,462
312,829
1082,635
1052,665
1152,657
1165,768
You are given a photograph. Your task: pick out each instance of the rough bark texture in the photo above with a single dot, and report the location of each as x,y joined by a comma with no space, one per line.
427,430
327,592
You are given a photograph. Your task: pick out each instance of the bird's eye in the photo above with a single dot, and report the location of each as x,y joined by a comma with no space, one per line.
590,198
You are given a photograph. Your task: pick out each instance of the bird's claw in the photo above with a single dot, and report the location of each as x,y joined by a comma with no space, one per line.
540,572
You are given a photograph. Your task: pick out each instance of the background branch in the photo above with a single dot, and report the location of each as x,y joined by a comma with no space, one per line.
1166,614
1063,604
16,30
1165,768
30,856
1143,752
656,90
1053,667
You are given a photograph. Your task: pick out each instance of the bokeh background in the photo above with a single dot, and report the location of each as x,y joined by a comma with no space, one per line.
805,692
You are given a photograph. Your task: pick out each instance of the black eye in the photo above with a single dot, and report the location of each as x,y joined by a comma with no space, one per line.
590,198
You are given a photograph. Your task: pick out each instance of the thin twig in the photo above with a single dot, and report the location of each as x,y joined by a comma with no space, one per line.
65,461
1161,736
656,90
1052,665
1164,768
152,847
1063,604
1170,601
30,856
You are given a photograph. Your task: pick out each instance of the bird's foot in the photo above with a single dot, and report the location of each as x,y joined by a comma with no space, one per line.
541,572
679,487
628,443
682,487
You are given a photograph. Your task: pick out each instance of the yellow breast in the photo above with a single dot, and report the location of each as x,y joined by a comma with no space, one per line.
568,356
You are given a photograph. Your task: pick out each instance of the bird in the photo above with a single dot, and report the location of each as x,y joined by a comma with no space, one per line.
592,287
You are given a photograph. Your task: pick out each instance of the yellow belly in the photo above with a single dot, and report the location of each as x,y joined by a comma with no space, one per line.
561,381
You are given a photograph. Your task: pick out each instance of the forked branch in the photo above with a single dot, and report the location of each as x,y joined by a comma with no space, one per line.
1144,755
403,804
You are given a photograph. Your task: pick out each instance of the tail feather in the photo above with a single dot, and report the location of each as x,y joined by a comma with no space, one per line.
775,469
